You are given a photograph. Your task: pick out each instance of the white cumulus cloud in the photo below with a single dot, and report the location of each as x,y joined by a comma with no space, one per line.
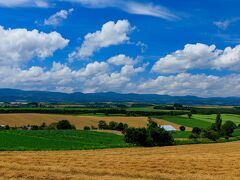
199,56
110,34
20,45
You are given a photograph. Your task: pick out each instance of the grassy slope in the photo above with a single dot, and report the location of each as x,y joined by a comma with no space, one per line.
58,140
186,121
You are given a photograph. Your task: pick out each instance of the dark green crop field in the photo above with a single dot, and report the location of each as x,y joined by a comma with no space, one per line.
59,140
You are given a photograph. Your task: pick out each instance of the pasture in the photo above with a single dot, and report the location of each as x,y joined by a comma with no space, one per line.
203,161
59,140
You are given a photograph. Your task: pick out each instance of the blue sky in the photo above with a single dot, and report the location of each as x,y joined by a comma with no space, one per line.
149,46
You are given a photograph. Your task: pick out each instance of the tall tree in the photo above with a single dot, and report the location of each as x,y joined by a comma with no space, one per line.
218,123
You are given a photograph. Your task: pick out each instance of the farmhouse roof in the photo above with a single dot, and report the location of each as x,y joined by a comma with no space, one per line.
168,127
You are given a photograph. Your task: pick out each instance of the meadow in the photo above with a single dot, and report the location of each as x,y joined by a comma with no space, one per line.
203,161
59,140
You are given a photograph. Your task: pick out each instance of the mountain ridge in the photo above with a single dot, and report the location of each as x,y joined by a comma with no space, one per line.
17,95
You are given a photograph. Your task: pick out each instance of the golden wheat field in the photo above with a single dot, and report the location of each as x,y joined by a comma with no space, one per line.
78,121
205,161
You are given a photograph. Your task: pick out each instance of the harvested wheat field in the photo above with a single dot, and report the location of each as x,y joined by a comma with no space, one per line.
209,161
78,121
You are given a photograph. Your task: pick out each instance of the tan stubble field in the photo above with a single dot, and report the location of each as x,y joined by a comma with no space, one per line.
209,161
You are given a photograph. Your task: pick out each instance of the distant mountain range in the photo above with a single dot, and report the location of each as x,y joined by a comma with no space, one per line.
15,95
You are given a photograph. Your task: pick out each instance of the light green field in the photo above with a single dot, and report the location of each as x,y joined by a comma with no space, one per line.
186,121
211,118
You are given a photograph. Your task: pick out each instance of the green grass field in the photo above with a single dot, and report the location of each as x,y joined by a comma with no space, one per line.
181,134
59,140
211,118
186,121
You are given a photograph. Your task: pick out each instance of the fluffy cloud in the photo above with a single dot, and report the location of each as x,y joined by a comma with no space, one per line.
121,59
57,18
24,3
110,34
199,56
228,59
20,45
132,7
191,57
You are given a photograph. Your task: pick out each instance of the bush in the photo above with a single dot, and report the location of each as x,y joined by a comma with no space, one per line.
196,131
52,126
113,125
86,128
93,127
182,128
64,125
210,134
193,136
228,128
102,125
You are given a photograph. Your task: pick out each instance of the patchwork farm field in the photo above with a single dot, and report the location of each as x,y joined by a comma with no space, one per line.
21,119
205,161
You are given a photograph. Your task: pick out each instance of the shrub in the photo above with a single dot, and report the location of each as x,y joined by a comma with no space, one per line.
43,126
35,127
64,125
193,136
86,128
52,126
210,134
182,128
93,127
113,125
102,125
196,131
228,128
7,127
120,127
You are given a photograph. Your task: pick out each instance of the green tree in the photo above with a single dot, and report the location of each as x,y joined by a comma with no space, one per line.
102,125
113,125
190,115
64,125
228,128
218,123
